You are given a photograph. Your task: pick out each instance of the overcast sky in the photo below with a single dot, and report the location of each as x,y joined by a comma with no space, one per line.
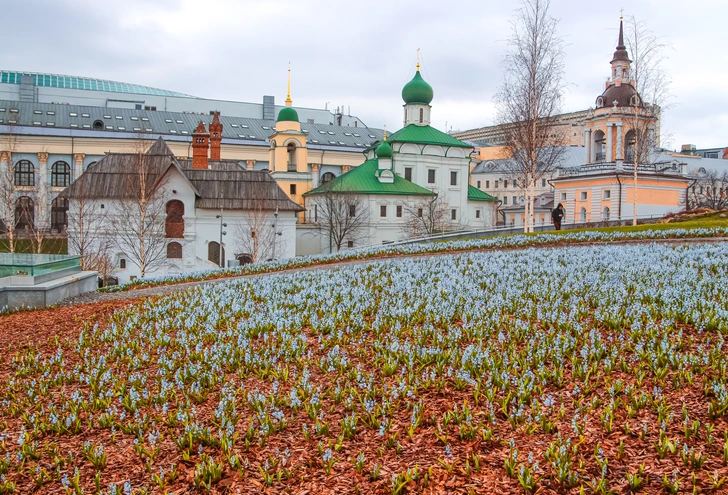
360,54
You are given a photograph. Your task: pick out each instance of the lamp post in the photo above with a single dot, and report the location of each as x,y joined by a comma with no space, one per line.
221,258
275,233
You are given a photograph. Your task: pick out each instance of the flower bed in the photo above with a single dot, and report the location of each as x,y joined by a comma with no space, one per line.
594,367
500,242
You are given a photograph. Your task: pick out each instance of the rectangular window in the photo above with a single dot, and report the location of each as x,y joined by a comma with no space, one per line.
477,213
350,244
430,176
352,210
453,214
419,212
607,194
315,213
478,185
408,173
122,264
495,184
293,188
563,196
399,211
487,184
505,200
383,211
453,178
582,195
505,184
543,182
515,200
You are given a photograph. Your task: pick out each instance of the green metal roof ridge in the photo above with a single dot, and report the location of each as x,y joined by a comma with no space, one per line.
362,180
475,194
425,134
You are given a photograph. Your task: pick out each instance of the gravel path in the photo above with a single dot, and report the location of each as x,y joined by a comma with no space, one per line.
96,297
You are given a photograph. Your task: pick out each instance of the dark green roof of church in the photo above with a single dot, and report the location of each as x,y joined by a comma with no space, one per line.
287,114
363,180
417,91
475,194
424,134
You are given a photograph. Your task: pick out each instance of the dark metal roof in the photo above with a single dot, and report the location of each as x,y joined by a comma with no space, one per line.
117,121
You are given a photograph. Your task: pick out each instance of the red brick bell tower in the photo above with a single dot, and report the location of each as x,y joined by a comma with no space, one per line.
215,136
200,145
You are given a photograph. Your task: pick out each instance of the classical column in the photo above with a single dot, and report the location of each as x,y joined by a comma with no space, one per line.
588,145
315,167
41,192
78,160
345,168
620,141
250,164
609,143
4,160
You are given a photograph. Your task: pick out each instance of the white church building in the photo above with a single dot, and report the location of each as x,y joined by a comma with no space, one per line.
406,171
193,204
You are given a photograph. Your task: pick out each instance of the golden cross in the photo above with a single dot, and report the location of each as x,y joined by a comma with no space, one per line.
621,13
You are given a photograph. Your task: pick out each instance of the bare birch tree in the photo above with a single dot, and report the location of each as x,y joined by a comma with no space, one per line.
38,210
7,186
710,190
254,235
138,221
87,224
647,51
530,97
427,217
341,216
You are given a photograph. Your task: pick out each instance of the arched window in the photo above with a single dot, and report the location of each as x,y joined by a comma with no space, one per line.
174,251
629,144
174,227
59,214
605,214
600,146
60,175
24,173
291,157
327,177
582,214
98,125
90,165
422,115
24,213
213,252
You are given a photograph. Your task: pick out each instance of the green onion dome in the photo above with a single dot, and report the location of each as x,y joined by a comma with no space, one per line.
417,91
287,114
384,150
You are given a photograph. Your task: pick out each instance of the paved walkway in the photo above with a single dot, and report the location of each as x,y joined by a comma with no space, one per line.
95,297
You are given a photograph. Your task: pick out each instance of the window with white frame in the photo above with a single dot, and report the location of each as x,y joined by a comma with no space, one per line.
582,195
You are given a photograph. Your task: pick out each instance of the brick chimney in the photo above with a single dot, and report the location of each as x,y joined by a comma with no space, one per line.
215,136
200,144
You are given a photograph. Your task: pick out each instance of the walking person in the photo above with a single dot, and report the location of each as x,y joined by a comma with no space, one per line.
556,215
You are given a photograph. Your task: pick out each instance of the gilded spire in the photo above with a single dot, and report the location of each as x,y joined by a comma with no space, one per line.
288,98
418,60
385,132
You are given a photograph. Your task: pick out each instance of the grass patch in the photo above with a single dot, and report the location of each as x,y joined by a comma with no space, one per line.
57,245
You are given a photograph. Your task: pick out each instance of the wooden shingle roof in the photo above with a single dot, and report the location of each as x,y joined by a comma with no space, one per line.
225,184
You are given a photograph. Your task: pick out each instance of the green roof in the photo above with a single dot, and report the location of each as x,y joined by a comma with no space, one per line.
287,114
475,194
363,180
417,91
424,134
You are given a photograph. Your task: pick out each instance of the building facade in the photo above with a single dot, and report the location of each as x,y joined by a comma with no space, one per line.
411,169
198,213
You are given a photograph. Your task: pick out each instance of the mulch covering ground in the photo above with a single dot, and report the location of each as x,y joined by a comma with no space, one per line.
467,466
